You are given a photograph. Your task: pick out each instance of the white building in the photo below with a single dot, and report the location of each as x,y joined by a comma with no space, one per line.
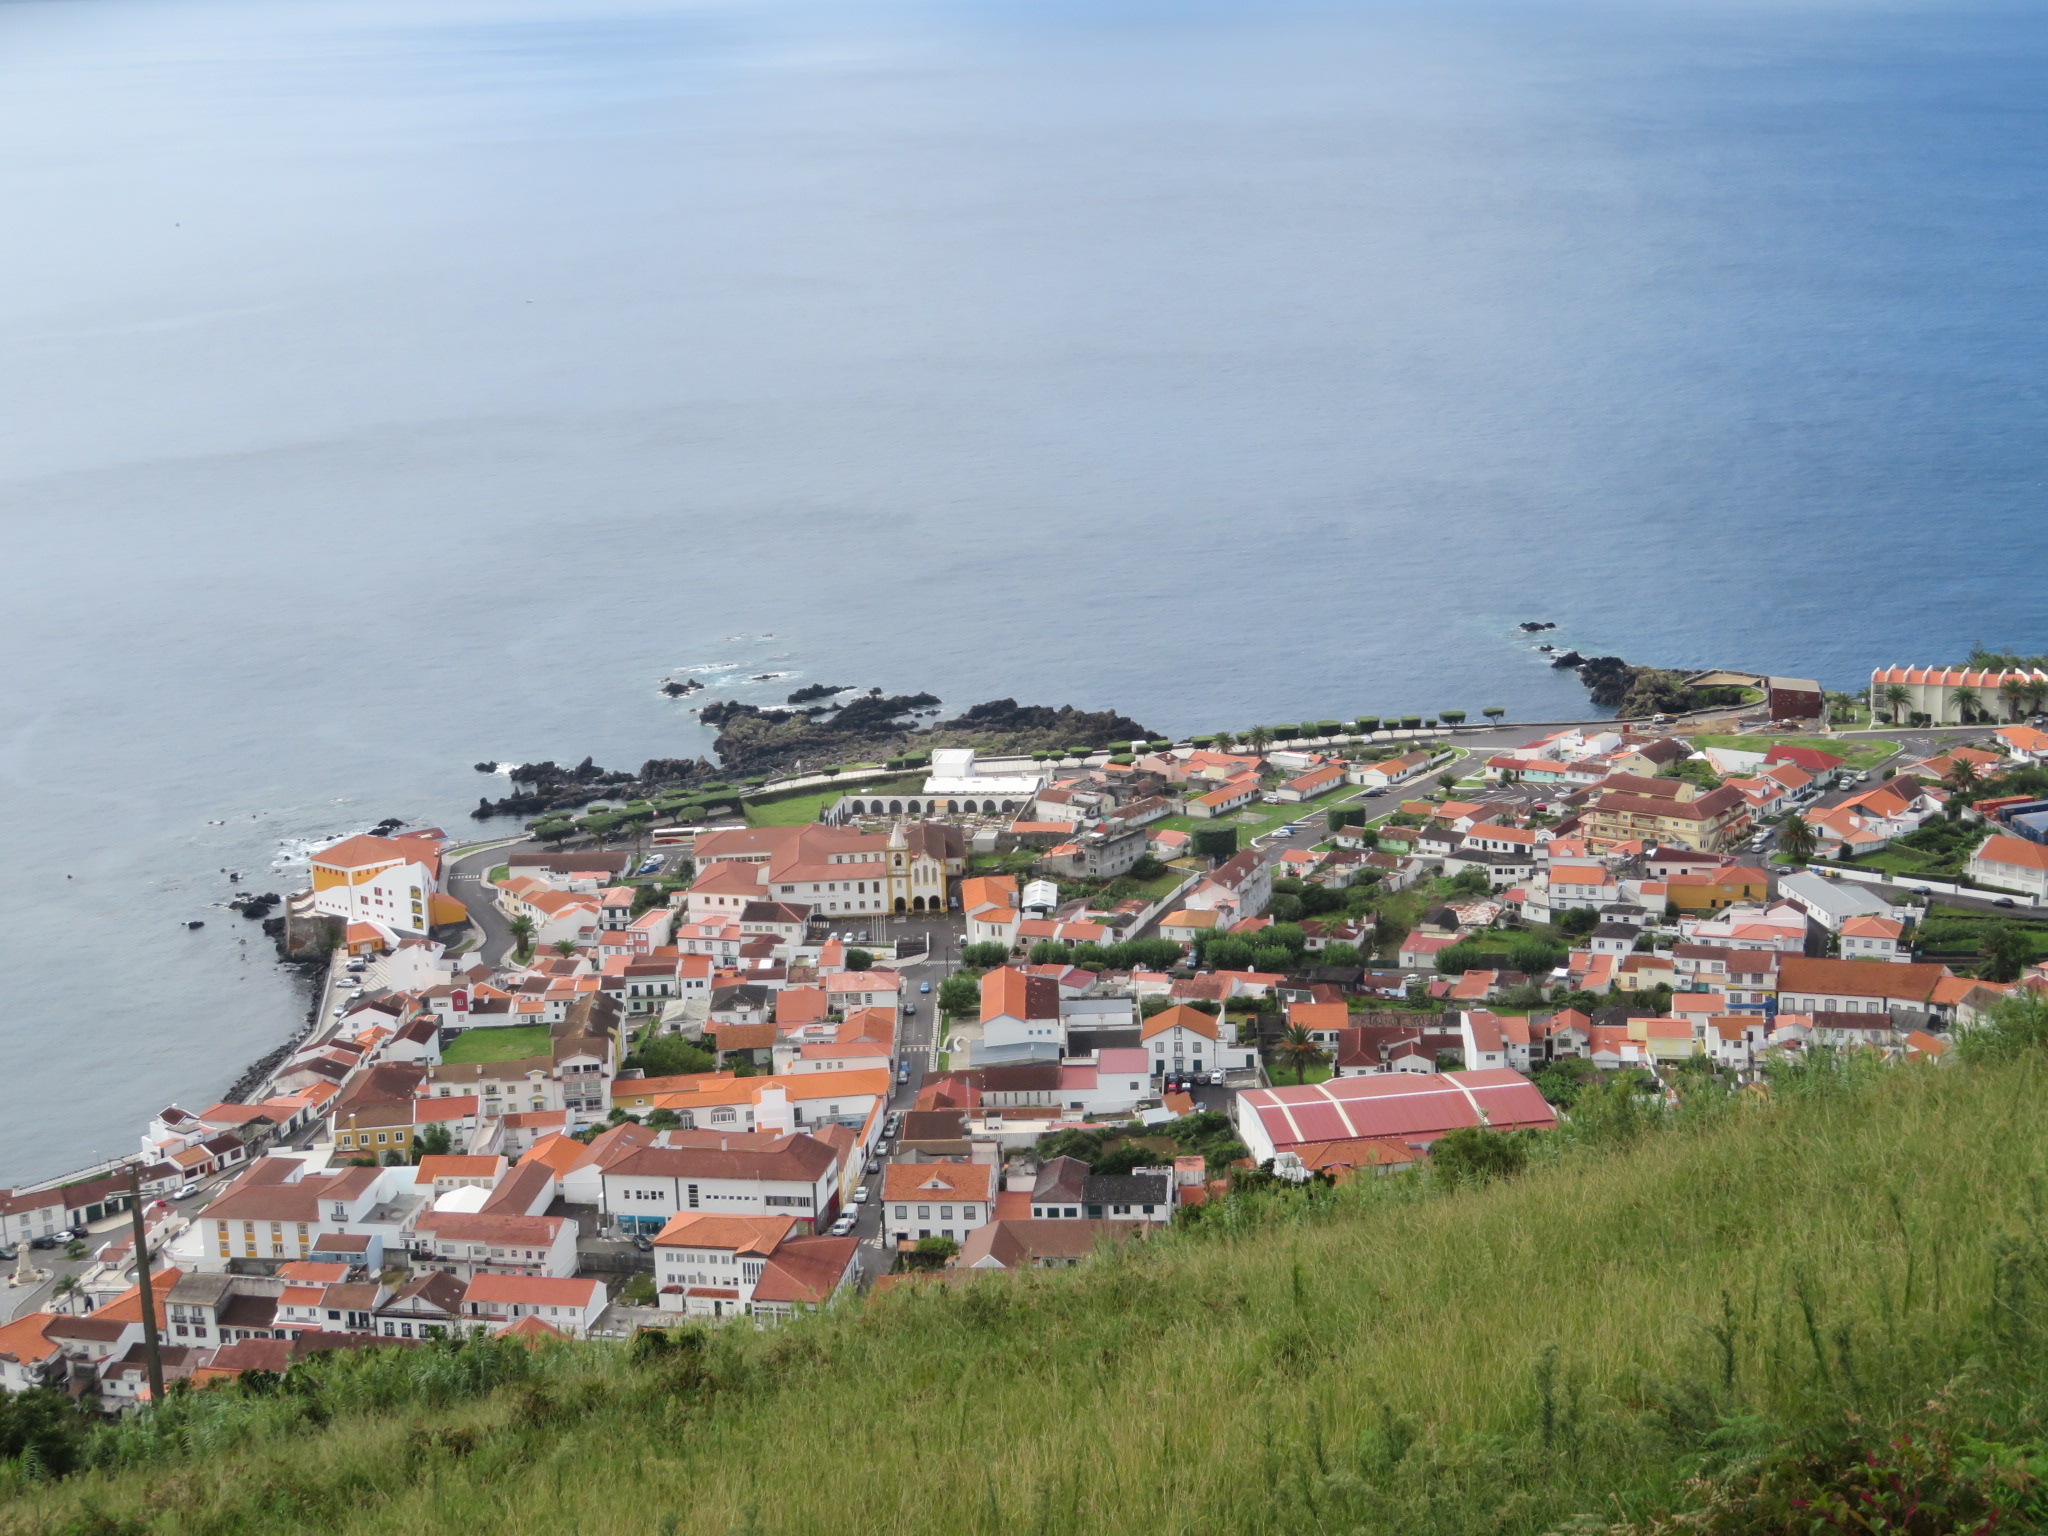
955,778
939,1199
2012,864
388,881
748,1266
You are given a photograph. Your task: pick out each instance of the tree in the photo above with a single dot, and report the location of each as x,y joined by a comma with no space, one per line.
44,1428
1563,1080
394,1158
1795,837
1299,1050
860,960
1962,779
433,1140
1471,882
1218,843
1125,1157
564,947
521,929
2007,951
1258,738
984,957
1340,954
1578,922
1535,957
662,1120
1451,716
1471,1155
1494,713
960,995
2014,691
2036,691
1896,699
931,1253
1463,957
1965,701
670,1056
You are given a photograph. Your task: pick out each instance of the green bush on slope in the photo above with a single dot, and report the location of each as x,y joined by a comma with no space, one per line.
1738,1312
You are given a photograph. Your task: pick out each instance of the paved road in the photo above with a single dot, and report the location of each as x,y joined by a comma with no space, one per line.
466,884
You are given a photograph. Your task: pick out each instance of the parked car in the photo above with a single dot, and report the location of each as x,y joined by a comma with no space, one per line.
903,1073
926,987
184,1191
844,1224
1216,1079
48,1240
910,1010
642,1243
2004,901
860,1194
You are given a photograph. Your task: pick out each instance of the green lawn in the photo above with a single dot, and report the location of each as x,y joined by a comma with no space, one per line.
1858,752
796,810
492,1044
1281,1073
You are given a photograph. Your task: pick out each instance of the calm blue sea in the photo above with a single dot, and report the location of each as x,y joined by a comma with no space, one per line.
385,386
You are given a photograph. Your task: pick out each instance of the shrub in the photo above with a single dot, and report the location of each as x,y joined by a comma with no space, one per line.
1471,1155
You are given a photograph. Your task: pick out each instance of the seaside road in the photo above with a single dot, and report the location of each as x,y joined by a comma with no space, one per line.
466,884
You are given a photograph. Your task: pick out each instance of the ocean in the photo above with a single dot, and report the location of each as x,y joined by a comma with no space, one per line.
389,387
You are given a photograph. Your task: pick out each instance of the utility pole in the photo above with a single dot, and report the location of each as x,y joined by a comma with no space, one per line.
151,1349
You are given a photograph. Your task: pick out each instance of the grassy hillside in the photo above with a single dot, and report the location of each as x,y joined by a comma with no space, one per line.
1725,1315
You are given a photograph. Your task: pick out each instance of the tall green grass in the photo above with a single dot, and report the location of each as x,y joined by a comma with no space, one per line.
1768,1281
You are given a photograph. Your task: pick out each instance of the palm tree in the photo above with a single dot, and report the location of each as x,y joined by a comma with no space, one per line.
521,929
1795,837
1897,698
1965,701
2014,691
1258,738
1298,1048
2036,691
1962,777
564,947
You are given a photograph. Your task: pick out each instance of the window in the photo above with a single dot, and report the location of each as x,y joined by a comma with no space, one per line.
924,1213
902,1212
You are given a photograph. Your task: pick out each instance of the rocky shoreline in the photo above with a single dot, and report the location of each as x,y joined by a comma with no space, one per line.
756,742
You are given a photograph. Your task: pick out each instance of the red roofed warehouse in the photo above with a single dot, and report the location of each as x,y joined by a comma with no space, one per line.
1411,1109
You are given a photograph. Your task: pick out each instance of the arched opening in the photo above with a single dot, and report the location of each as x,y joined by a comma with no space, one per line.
899,903
895,807
917,904
988,807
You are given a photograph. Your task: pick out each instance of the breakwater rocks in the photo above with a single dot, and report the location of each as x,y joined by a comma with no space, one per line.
548,786
1636,692
756,741
875,728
